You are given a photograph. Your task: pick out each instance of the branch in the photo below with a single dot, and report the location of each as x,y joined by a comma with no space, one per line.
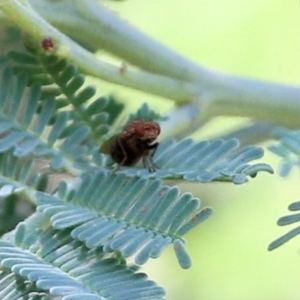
33,24
173,76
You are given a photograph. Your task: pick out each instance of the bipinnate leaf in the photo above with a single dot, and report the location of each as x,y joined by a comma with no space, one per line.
134,216
30,127
52,263
62,81
205,161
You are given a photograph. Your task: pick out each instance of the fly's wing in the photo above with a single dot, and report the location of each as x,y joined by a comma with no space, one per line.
106,146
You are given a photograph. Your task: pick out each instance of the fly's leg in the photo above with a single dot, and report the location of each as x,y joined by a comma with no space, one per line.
149,164
123,152
154,147
148,160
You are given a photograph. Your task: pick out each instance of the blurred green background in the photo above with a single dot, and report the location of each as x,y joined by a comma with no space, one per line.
254,38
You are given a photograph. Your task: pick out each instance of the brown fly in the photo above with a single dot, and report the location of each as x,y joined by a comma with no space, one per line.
136,142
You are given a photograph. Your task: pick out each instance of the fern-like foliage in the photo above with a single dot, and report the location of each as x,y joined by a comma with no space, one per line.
205,161
77,243
133,216
61,80
287,220
28,127
50,261
288,149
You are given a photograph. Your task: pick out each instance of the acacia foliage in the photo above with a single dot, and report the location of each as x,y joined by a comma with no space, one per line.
77,242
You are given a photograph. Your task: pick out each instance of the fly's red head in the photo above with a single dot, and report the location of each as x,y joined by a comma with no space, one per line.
144,130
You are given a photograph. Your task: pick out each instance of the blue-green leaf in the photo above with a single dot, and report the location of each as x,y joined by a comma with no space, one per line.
51,262
130,215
